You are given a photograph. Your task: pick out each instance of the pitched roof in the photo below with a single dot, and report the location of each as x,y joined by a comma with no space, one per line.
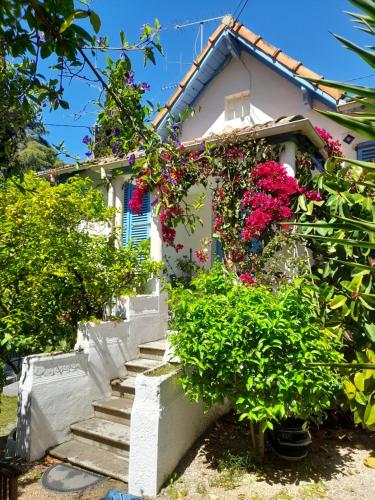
284,125
242,34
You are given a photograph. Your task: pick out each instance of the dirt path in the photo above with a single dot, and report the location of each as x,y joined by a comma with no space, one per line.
220,467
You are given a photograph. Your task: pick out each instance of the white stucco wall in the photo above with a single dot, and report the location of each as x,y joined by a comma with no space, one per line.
164,425
192,241
272,96
57,390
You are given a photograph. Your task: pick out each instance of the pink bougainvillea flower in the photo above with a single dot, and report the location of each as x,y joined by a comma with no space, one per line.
247,279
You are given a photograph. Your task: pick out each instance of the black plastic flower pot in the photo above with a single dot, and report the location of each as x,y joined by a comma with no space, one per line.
289,440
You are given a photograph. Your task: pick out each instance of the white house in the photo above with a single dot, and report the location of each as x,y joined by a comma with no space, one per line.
93,406
238,83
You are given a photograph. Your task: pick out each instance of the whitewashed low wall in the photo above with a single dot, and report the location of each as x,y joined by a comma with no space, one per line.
58,389
164,425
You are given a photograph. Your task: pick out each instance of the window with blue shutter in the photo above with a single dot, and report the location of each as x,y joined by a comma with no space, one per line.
136,227
366,151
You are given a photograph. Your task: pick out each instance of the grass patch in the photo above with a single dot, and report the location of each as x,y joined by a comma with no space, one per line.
232,467
8,414
165,369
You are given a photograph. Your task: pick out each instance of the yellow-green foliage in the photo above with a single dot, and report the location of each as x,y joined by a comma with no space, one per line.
53,271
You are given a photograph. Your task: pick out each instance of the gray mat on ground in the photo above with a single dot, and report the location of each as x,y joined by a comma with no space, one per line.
67,479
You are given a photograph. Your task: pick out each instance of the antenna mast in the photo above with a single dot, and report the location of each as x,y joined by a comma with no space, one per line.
225,19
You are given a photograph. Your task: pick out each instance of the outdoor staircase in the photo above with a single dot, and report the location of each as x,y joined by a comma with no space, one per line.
101,444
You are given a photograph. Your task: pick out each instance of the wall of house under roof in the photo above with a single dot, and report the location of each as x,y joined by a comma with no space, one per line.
271,96
191,242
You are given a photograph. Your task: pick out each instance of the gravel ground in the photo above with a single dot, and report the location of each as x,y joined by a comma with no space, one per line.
219,467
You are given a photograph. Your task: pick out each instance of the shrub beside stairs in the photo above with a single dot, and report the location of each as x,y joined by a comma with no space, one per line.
101,443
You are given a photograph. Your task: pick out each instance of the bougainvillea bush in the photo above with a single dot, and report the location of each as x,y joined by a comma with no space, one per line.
253,345
251,192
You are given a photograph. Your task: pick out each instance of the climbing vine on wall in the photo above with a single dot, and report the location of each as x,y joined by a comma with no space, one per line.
251,190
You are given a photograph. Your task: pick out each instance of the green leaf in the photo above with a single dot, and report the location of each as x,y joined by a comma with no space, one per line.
337,301
365,5
338,241
359,381
370,331
349,389
78,14
360,398
364,164
369,416
68,21
95,21
346,87
356,124
368,57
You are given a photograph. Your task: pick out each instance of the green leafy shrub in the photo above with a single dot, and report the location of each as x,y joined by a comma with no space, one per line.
55,270
253,345
360,391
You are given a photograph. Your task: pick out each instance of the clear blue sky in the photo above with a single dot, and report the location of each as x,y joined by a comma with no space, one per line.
301,28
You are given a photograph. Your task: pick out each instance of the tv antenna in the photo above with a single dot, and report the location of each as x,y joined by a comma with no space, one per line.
224,19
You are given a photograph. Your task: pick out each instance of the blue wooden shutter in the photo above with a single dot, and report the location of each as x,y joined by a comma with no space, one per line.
136,227
366,151
219,254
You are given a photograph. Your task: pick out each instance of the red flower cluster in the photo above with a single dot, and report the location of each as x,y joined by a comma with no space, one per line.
136,201
201,256
269,199
233,152
313,195
332,148
247,279
168,232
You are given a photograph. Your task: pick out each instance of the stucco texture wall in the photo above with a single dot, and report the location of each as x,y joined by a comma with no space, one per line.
57,390
164,425
190,241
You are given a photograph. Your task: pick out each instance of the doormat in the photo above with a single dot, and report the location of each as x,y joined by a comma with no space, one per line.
65,478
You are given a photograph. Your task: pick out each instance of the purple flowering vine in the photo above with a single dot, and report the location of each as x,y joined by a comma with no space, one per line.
131,160
41,37
116,147
145,86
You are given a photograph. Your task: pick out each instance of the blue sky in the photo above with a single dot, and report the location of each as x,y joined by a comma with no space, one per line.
301,28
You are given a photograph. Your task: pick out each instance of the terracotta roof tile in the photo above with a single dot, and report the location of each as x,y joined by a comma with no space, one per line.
249,35
292,64
267,47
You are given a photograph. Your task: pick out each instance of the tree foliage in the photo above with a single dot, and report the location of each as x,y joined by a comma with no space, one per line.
36,154
64,32
253,345
55,268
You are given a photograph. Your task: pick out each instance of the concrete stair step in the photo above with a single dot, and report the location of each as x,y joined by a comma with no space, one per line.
104,434
90,457
115,409
124,388
140,365
153,350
